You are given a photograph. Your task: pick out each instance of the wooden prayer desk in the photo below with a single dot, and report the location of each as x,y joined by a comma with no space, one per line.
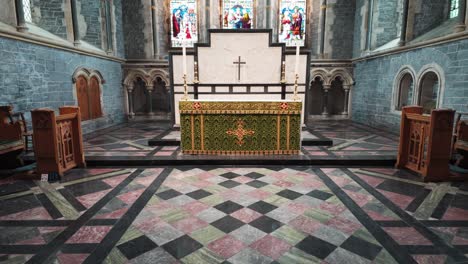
240,127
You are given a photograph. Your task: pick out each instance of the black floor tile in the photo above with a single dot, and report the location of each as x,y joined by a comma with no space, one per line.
266,224
291,195
316,247
227,224
401,187
19,204
254,175
262,207
460,201
166,195
85,188
198,194
361,247
320,194
229,184
230,175
257,184
182,246
136,247
228,207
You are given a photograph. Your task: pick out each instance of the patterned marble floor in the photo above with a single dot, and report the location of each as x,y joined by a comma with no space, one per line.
234,215
349,140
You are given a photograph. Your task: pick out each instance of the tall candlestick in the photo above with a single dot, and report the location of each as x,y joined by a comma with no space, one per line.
296,68
184,58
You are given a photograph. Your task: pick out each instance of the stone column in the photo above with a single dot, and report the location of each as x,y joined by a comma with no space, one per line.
346,100
370,17
323,17
129,89
150,88
21,22
461,26
155,29
109,22
76,28
326,88
404,23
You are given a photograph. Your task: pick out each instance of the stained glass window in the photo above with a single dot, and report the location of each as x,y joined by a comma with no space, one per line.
184,24
238,14
27,11
454,7
292,20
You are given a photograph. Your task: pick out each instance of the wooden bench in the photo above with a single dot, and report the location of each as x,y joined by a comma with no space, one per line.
461,144
11,145
7,116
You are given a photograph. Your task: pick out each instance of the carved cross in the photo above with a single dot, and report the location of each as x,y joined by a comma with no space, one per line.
239,62
240,132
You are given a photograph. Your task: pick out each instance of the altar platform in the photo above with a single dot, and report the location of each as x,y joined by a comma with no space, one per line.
352,144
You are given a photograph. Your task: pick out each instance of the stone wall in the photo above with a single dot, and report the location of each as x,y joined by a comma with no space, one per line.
91,22
33,76
372,94
339,29
386,22
50,16
119,33
429,14
137,26
359,39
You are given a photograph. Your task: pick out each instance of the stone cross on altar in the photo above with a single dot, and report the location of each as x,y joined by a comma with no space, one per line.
239,62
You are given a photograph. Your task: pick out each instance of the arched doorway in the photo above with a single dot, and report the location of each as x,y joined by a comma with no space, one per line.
161,98
429,91
336,97
316,97
140,97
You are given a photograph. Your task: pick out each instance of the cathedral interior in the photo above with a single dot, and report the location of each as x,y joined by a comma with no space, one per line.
97,164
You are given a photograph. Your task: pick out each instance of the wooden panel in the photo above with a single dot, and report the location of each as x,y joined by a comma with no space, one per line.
82,95
94,93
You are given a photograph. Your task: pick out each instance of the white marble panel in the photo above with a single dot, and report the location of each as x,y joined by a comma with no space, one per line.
239,89
222,89
178,70
290,64
257,89
274,89
204,89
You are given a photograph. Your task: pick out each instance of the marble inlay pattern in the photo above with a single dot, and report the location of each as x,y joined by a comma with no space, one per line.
234,215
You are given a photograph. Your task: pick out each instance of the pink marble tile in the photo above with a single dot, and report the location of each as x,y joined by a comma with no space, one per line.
145,181
131,197
246,215
378,217
148,224
335,209
230,194
49,229
296,208
89,234
195,207
113,215
312,183
318,153
243,179
71,258
359,198
259,194
226,246
279,175
163,153
202,184
407,236
190,224
205,175
305,224
429,259
344,225
33,241
101,171
116,180
284,184
38,213
459,241
455,214
340,181
92,198
372,181
271,246
401,200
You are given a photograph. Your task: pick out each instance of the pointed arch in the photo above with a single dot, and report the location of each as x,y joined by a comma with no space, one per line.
343,74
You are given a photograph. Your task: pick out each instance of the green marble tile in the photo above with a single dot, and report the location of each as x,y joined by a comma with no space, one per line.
131,233
215,189
276,200
203,255
15,260
294,179
212,200
173,215
365,235
289,234
100,176
154,200
296,255
207,234
162,189
318,215
271,188
385,257
115,257
334,200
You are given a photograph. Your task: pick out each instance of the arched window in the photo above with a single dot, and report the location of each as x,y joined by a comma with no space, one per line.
238,14
292,18
184,22
405,91
88,93
429,91
454,8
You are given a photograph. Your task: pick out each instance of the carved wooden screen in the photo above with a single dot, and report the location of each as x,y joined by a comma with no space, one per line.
82,95
94,95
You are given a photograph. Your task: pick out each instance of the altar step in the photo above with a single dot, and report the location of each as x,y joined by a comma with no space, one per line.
157,141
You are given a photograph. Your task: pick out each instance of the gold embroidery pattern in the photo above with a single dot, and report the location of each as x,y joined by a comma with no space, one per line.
240,132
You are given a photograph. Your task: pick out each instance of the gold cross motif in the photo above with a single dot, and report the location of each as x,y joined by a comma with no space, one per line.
240,132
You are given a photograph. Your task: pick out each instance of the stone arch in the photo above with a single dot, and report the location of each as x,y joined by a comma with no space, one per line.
322,74
90,97
158,73
132,75
405,70
437,71
160,96
345,76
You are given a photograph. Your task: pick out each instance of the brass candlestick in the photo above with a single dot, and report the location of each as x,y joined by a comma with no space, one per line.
185,97
283,73
295,96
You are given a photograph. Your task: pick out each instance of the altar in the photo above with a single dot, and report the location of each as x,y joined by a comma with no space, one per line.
239,94
240,127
